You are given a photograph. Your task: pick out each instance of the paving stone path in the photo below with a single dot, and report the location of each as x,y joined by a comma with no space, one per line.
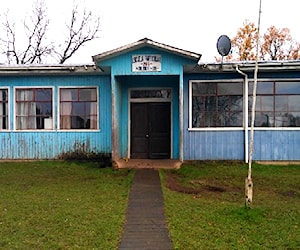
145,226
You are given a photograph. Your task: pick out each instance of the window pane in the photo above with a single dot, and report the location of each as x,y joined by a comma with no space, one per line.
281,103
267,103
87,95
199,103
236,119
210,119
294,118
230,88
294,102
3,109
204,89
151,93
44,108
262,88
33,106
288,88
230,119
25,95
282,119
78,108
237,103
68,95
224,103
262,119
210,103
217,104
43,95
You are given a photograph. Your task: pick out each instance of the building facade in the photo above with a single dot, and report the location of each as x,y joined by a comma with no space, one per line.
152,101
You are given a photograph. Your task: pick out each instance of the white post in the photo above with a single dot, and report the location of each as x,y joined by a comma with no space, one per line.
248,181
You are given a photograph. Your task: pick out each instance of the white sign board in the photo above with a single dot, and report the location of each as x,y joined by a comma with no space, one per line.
146,63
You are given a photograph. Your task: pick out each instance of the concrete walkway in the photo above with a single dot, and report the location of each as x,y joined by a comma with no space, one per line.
145,226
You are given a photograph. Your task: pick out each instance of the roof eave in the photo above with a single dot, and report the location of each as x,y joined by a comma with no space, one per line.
50,69
142,43
247,66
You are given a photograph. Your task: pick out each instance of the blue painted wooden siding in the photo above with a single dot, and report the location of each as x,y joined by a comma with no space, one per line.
50,145
271,145
41,144
170,63
121,67
209,145
277,145
213,145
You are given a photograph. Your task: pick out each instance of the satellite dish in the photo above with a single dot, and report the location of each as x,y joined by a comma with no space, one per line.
223,45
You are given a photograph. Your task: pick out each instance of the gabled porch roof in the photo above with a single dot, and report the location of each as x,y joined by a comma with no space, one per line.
144,43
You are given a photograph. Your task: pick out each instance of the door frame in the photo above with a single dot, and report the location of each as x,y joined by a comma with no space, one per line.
147,100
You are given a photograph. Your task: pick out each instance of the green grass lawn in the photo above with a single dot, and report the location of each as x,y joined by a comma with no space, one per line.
214,215
61,205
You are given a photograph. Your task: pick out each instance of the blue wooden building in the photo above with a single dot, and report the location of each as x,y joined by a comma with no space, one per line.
149,100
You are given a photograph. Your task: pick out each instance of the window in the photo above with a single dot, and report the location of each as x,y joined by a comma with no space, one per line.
277,104
151,93
33,108
78,108
3,109
217,104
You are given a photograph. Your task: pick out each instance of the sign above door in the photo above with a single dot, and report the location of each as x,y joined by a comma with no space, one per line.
146,63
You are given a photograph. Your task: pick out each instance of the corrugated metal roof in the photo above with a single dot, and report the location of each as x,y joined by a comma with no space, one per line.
246,66
142,43
50,69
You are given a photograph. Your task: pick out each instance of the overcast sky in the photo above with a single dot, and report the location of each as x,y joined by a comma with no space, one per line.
193,25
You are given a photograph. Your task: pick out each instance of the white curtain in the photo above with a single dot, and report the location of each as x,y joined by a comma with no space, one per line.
65,109
26,110
2,106
93,111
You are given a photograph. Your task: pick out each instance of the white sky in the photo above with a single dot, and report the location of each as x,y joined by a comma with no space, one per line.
193,25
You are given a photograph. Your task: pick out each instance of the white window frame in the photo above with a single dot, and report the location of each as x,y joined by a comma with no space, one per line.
245,103
273,80
98,111
190,96
8,108
15,108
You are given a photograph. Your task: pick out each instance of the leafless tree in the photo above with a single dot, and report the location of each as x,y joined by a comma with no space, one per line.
35,45
80,31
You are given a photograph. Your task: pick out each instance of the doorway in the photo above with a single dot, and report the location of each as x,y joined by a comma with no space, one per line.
150,130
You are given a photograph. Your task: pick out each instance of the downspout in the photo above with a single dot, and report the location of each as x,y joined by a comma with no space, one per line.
245,113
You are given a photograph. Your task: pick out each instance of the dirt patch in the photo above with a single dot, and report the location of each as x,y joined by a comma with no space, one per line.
289,193
173,183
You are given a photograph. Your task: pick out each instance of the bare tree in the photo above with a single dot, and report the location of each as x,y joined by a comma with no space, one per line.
80,31
35,45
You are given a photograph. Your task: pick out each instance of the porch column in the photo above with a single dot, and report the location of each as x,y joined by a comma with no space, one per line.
115,129
180,116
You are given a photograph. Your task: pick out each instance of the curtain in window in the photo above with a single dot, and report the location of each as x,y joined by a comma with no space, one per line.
65,109
2,107
93,111
26,110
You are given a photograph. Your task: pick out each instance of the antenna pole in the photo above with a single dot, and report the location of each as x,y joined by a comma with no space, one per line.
248,181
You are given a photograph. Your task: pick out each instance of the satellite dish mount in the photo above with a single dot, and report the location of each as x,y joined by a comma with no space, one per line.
223,46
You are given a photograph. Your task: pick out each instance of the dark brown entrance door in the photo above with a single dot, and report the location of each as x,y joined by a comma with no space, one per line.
150,130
